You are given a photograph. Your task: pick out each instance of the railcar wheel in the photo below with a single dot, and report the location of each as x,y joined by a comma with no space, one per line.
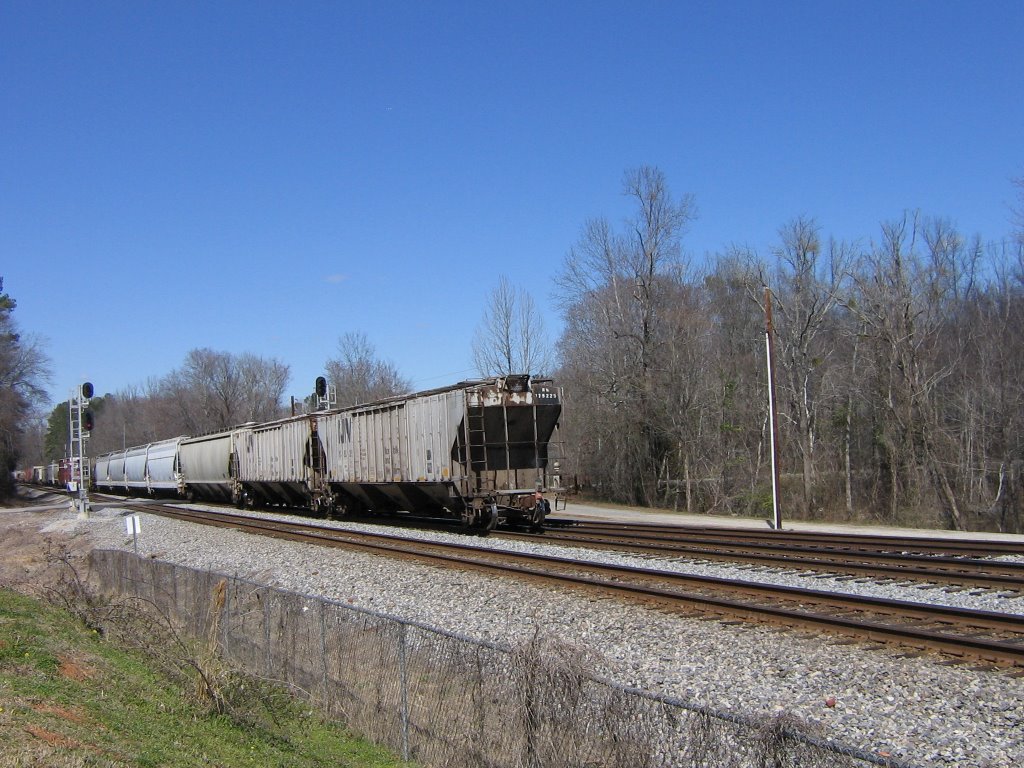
337,510
537,518
490,520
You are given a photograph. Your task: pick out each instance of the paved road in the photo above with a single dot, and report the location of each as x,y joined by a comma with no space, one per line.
640,515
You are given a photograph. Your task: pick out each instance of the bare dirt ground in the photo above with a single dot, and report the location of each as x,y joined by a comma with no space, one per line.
34,528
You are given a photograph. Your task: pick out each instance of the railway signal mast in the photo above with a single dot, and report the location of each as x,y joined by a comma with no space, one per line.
326,395
80,423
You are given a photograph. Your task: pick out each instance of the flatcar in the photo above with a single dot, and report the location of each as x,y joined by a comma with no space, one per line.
480,452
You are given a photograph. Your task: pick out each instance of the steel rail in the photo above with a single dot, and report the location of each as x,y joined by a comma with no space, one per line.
1004,576
873,542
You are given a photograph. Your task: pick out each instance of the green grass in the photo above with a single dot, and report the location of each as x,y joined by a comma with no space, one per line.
70,698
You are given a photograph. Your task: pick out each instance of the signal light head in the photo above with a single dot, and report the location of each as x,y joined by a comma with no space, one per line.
87,421
321,386
87,390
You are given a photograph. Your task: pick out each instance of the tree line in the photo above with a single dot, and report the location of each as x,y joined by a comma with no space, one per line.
898,370
24,373
214,390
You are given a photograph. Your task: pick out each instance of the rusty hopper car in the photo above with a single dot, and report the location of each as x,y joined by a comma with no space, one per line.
478,451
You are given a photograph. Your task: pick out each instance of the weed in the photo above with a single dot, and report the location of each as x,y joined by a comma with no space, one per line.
71,697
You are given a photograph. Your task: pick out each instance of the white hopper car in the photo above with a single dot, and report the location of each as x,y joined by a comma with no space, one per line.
151,469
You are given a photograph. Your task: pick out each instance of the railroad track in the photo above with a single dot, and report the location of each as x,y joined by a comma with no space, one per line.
984,635
875,558
821,555
832,541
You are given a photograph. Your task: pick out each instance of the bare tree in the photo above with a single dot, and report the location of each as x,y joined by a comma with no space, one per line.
137,415
737,433
901,369
24,369
683,389
1018,211
510,337
210,391
631,266
216,390
615,287
807,285
360,376
261,385
908,298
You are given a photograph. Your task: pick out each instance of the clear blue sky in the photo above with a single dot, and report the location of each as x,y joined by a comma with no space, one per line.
263,177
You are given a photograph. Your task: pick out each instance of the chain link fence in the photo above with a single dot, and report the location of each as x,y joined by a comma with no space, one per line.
444,700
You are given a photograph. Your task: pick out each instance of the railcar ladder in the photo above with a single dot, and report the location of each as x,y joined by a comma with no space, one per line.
476,437
77,465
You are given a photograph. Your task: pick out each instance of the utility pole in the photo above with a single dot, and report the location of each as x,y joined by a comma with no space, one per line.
773,419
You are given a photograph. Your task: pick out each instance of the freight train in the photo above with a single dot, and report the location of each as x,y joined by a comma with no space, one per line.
479,452
57,474
61,474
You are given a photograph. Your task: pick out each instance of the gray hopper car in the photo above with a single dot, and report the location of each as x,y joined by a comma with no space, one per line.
480,452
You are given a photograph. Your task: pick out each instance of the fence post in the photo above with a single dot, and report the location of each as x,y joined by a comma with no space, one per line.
404,682
174,587
266,633
323,651
230,590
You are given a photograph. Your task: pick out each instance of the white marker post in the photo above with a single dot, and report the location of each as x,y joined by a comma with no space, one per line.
769,331
134,528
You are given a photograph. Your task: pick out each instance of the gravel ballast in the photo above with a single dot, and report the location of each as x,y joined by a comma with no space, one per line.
919,709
